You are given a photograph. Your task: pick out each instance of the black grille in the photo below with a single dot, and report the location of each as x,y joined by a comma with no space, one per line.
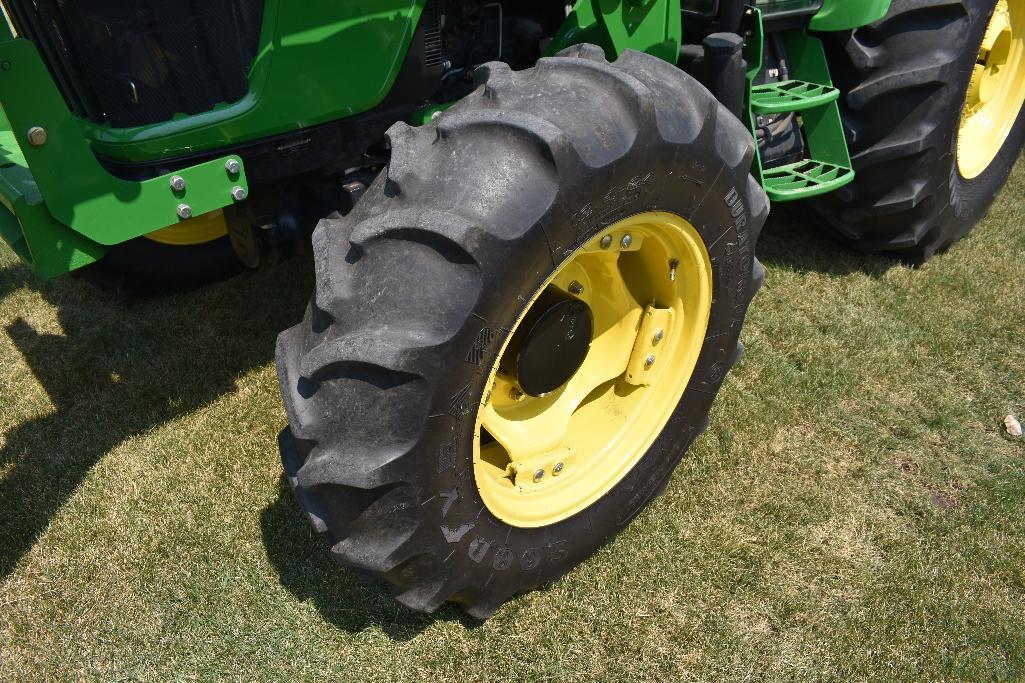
131,63
432,37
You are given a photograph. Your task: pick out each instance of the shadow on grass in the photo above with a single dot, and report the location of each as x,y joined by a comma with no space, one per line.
121,368
349,601
795,239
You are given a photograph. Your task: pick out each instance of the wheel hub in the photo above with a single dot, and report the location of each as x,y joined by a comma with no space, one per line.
550,343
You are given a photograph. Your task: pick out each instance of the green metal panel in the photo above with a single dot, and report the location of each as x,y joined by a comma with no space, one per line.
652,26
26,225
78,191
841,15
318,61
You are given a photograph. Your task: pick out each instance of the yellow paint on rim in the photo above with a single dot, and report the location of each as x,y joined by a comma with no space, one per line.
537,461
996,93
197,230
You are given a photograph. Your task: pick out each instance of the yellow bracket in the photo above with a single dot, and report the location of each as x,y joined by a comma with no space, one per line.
652,333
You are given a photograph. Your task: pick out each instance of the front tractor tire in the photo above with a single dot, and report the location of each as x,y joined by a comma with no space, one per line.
521,327
933,108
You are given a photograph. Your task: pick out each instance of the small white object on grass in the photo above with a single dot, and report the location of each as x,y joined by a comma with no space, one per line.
1013,426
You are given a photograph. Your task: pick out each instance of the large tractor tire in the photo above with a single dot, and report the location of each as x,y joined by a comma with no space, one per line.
521,327
933,107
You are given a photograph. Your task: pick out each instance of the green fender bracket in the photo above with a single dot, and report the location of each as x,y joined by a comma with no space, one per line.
58,192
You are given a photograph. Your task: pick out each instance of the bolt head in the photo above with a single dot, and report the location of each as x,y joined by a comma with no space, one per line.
575,288
232,166
515,394
37,136
184,211
626,241
238,193
557,470
177,183
649,361
539,475
606,241
659,336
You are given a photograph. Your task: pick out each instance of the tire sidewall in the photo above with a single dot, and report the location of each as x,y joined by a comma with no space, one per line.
716,202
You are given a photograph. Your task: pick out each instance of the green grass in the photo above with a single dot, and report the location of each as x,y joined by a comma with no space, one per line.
854,512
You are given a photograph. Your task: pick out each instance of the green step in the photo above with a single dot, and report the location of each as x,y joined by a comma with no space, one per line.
804,179
784,96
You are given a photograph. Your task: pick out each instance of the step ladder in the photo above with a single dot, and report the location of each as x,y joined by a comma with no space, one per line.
811,95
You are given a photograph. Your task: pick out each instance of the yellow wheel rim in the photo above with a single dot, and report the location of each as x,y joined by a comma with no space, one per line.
648,283
996,92
198,230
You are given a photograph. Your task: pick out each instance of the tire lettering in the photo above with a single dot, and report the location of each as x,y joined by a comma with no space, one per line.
557,550
447,456
530,559
478,549
480,346
503,558
456,535
450,497
459,404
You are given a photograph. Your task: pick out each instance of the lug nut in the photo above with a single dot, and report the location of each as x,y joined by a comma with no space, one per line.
177,183
515,394
606,241
557,470
626,241
232,166
184,211
238,193
575,288
539,475
658,337
649,361
37,136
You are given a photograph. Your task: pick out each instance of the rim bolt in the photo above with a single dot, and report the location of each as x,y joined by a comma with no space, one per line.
177,183
659,336
557,470
649,361
626,241
515,394
184,211
606,241
238,193
576,288
539,475
232,166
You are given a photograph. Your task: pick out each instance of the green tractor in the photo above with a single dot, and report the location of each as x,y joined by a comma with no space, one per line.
533,223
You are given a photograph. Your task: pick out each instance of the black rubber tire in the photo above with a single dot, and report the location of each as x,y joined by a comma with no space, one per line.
143,266
905,80
416,287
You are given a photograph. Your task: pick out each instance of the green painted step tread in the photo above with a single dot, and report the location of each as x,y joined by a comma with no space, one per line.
806,178
784,96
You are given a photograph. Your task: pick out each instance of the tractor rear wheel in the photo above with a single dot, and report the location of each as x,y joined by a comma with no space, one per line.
521,327
935,118
185,256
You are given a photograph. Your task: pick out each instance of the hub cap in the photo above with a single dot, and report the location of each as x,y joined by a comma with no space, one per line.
645,285
996,92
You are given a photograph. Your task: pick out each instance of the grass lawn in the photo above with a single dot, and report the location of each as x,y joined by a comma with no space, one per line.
854,512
